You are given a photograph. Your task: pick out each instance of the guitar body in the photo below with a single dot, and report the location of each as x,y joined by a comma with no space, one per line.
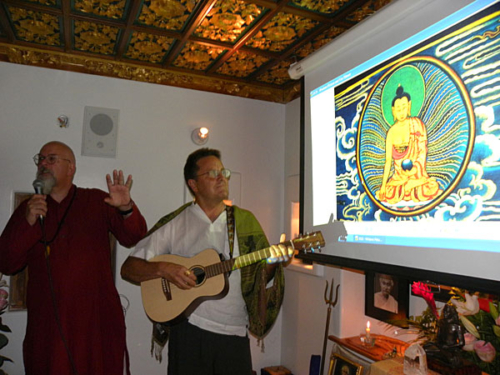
164,302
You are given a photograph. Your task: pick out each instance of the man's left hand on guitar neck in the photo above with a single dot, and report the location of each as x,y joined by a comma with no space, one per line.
280,253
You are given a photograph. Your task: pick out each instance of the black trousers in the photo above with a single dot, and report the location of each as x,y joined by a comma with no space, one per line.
194,351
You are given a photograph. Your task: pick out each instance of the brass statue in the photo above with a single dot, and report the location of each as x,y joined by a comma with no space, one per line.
449,340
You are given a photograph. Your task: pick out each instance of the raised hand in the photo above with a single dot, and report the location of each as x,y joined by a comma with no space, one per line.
119,191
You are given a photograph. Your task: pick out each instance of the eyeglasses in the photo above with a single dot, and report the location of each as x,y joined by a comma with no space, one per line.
50,159
214,173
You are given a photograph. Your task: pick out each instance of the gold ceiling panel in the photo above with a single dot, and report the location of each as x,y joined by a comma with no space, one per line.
320,6
102,8
235,47
197,56
278,74
242,64
166,14
148,47
95,38
227,20
35,27
281,31
318,42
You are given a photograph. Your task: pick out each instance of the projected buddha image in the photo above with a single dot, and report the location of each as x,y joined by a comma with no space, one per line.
406,153
415,136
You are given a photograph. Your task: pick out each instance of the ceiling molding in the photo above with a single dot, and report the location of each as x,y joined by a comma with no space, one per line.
117,69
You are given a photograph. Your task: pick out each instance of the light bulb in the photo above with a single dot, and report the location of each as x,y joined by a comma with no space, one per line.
200,135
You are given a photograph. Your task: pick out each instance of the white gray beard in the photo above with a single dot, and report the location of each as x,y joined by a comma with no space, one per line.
48,183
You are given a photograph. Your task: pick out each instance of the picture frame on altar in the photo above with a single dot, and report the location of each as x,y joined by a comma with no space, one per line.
387,296
340,365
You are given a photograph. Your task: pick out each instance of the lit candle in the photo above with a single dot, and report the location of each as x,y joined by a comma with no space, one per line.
368,330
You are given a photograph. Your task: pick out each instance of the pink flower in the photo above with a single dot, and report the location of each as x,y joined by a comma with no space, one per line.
485,351
470,340
497,321
422,290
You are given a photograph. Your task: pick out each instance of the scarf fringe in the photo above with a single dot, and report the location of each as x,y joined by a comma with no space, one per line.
260,343
156,350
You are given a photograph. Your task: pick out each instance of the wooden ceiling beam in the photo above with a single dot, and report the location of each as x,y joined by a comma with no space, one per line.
199,16
66,34
5,24
250,34
125,34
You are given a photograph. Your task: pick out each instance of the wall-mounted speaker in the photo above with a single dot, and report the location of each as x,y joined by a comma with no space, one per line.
100,130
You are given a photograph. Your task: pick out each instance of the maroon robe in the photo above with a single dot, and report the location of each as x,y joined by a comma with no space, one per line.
88,304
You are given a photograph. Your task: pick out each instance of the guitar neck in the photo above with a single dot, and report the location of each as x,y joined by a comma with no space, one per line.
309,241
237,263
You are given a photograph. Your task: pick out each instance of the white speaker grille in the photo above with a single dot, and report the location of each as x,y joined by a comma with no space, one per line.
100,131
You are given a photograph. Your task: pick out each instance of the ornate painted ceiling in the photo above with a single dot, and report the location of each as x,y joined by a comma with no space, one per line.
235,47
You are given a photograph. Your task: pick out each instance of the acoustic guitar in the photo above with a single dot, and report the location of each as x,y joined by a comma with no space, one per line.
166,303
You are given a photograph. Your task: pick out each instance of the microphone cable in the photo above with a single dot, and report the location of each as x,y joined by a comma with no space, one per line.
53,298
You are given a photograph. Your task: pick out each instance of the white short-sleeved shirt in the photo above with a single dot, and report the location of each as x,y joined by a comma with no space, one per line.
187,234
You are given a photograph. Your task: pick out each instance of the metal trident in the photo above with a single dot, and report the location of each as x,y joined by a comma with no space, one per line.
331,303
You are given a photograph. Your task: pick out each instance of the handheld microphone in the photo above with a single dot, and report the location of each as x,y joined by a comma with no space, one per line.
38,186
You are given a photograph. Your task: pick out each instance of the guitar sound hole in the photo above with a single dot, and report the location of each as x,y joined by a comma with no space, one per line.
200,275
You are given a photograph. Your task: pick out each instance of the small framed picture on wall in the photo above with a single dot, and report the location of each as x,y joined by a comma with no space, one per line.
386,296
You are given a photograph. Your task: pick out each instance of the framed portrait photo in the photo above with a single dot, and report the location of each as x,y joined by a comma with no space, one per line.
386,296
340,365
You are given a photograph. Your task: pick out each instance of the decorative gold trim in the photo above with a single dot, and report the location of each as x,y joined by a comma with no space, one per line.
109,68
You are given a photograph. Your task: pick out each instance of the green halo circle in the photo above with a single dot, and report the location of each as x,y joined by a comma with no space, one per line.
413,83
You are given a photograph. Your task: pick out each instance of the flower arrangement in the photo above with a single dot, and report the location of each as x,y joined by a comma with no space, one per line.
3,328
479,317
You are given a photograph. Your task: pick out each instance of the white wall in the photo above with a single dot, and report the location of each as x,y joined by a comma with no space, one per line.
153,142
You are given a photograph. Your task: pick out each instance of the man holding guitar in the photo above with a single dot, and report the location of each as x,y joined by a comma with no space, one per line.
180,278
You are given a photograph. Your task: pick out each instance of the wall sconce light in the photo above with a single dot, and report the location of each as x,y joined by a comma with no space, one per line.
200,136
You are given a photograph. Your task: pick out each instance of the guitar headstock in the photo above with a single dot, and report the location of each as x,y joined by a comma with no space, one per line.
310,242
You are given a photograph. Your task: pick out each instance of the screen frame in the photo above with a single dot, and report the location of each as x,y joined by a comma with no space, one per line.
472,283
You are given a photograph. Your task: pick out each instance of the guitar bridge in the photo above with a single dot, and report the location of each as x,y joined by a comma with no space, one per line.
165,285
